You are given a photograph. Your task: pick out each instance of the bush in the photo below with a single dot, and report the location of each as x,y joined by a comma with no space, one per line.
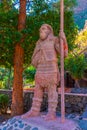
29,74
4,99
76,65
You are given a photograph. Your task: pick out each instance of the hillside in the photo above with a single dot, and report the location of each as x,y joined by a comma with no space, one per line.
81,13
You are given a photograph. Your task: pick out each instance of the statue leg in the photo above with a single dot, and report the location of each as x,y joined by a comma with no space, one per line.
37,99
52,103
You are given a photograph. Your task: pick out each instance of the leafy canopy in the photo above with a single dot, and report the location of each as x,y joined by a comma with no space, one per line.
39,14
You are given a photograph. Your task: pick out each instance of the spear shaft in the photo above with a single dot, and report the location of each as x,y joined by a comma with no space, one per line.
62,61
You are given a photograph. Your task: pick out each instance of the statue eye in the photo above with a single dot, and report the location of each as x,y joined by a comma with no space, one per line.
43,28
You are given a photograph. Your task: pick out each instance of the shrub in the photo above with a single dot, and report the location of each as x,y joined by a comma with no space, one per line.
75,65
4,99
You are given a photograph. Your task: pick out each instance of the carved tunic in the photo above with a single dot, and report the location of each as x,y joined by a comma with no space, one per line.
45,56
48,58
45,60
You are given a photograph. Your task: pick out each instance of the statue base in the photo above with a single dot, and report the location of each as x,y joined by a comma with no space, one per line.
38,123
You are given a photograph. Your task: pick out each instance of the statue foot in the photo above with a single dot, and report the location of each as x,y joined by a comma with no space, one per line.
50,117
30,114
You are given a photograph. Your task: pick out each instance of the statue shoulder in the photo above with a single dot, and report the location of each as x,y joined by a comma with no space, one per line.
36,54
38,44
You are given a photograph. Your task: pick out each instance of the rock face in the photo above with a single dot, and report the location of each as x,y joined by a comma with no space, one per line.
81,13
82,5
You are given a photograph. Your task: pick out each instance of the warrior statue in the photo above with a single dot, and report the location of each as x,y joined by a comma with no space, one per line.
47,76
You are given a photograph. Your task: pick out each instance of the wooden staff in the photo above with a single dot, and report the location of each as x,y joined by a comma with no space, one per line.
62,61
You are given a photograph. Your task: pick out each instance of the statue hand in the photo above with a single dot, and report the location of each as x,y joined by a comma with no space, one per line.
62,36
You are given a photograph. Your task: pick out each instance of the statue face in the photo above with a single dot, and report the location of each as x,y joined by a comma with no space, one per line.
44,32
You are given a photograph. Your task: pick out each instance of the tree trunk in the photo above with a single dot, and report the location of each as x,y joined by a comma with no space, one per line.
17,95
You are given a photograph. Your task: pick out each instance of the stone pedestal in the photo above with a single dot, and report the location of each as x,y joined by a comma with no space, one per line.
38,123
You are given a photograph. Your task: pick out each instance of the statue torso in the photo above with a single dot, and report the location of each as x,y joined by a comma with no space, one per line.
48,57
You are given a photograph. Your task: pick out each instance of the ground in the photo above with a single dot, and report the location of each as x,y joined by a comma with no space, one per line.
77,118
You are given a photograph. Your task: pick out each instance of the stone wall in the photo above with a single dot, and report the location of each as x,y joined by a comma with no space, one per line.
73,104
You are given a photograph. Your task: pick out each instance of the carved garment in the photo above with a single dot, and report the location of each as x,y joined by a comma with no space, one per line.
45,61
45,56
46,80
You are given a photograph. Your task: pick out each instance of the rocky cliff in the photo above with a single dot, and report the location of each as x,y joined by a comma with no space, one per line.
81,13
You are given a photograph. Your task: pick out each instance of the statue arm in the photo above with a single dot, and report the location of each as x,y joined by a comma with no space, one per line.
57,46
35,56
65,48
36,50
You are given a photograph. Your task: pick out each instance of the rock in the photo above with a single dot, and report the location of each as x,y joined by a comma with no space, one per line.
79,90
68,105
83,124
38,123
80,105
68,110
1,118
71,116
84,115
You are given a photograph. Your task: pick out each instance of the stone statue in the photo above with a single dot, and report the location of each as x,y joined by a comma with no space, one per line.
47,73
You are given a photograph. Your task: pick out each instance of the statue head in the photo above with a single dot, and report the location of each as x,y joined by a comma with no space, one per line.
45,31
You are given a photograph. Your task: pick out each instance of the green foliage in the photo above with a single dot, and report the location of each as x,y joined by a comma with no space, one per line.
68,4
70,30
4,99
8,36
39,6
6,78
29,74
6,5
76,65
40,13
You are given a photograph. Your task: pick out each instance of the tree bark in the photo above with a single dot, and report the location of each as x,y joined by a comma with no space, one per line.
17,95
